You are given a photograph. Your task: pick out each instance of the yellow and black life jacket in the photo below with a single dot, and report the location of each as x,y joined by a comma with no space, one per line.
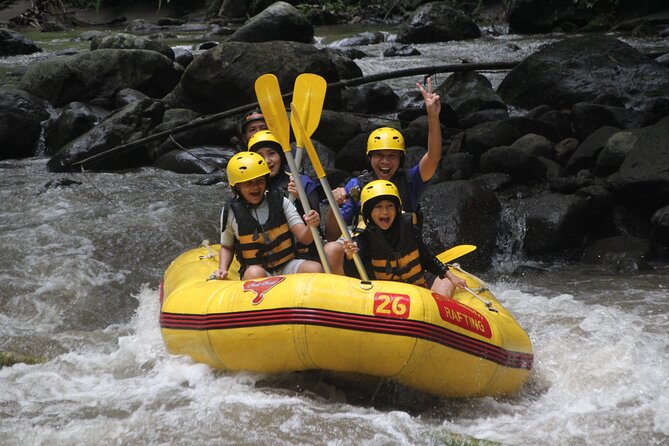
399,263
270,245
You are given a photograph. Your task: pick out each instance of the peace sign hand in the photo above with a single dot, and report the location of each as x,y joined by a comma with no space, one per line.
432,100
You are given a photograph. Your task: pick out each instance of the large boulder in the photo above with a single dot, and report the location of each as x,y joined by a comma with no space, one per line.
554,221
540,16
280,21
462,212
100,74
73,120
21,115
13,44
224,77
579,69
470,92
643,177
132,122
437,22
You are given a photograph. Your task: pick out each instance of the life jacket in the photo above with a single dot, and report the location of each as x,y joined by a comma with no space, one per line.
271,244
280,182
400,262
401,181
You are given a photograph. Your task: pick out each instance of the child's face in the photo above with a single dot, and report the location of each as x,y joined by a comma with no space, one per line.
272,158
385,163
383,214
253,191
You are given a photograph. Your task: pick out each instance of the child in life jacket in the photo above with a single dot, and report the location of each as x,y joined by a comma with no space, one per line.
391,246
261,227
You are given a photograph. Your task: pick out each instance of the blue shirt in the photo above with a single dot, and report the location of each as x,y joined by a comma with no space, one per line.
416,187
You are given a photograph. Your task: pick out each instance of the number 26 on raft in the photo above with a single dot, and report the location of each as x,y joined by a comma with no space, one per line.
392,305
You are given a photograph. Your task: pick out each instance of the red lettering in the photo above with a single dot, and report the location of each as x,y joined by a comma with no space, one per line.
463,316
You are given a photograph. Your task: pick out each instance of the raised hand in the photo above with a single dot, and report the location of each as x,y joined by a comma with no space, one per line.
432,100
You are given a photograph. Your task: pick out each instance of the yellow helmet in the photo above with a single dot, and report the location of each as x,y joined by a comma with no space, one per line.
385,138
266,137
375,191
246,166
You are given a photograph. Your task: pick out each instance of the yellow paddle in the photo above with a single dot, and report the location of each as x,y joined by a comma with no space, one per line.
308,97
455,252
318,167
271,103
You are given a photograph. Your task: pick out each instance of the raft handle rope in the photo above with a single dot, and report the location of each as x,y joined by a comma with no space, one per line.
474,291
210,254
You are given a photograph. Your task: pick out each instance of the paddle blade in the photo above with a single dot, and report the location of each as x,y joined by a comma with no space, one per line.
308,97
455,252
298,129
269,97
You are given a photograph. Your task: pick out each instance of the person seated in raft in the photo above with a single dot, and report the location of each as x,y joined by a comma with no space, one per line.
391,246
260,226
267,146
385,155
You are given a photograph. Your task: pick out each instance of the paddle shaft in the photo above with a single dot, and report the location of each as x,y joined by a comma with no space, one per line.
270,100
318,167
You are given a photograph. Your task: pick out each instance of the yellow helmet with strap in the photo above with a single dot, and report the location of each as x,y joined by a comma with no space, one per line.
266,137
375,191
246,166
385,138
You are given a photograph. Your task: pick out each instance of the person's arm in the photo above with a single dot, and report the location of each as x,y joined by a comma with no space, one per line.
224,260
297,224
346,207
430,161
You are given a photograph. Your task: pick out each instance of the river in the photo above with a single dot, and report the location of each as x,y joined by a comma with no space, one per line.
81,267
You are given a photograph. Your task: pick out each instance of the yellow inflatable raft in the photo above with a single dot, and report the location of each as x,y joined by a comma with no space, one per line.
461,347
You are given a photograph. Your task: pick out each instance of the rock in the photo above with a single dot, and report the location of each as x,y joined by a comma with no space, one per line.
21,115
643,178
537,16
216,133
437,22
207,159
479,139
401,51
280,21
585,155
223,77
131,123
589,117
553,222
614,153
361,39
126,96
411,105
579,69
67,79
13,44
660,225
462,212
469,92
352,157
376,97
74,120
535,145
621,254
337,128
130,41
513,161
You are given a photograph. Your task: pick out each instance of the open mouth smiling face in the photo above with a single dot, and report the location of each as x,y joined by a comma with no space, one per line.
253,191
383,214
385,163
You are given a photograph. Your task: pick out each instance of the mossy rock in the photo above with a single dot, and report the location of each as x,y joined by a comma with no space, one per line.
10,358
